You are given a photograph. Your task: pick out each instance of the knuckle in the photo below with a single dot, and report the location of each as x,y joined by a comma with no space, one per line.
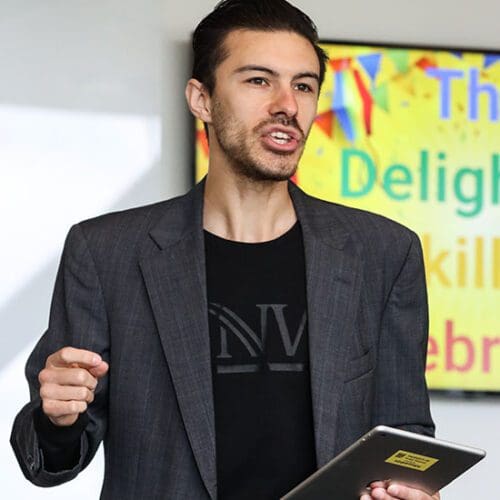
49,359
77,407
48,407
43,376
82,393
80,376
65,354
43,392
73,407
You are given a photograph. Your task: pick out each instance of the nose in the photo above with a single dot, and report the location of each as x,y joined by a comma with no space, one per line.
284,102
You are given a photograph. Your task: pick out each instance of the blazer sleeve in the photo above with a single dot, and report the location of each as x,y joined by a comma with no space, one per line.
78,319
401,398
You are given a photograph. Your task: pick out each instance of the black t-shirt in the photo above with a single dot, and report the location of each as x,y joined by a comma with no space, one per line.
260,360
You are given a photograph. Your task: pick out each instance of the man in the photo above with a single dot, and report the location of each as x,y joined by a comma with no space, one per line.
226,343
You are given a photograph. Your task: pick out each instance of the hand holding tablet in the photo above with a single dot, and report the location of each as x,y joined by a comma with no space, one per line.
386,490
405,458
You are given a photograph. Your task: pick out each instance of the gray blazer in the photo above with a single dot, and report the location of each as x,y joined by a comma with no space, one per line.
131,286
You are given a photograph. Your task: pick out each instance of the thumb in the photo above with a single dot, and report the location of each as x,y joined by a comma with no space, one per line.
100,370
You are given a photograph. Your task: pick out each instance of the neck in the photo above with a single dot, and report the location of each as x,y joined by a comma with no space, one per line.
241,209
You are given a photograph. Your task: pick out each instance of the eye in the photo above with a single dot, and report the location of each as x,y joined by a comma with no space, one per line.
258,81
304,87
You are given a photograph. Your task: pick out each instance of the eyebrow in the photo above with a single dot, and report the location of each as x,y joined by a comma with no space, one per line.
263,69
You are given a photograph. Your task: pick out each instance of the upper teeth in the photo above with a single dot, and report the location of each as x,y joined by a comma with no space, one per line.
280,135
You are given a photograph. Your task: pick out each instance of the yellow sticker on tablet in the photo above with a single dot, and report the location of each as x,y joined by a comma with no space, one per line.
411,460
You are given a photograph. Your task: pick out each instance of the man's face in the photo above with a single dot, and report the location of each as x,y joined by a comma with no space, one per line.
264,103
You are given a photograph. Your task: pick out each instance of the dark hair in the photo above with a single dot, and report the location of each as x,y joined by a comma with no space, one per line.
259,15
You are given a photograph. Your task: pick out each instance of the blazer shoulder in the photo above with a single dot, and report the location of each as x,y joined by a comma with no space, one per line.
367,229
137,220
367,220
124,232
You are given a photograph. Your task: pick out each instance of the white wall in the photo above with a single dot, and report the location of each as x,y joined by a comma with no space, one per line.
92,118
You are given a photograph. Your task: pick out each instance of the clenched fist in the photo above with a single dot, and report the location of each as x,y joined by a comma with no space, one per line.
68,382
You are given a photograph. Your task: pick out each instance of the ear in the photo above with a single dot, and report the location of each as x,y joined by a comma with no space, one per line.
198,100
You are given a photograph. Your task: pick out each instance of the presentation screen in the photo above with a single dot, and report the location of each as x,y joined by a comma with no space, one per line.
413,133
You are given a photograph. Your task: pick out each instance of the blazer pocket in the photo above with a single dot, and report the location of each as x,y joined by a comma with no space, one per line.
359,366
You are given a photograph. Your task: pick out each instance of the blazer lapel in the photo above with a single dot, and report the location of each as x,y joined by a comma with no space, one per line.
176,282
333,284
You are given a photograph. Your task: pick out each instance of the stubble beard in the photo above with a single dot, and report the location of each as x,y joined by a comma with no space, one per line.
243,148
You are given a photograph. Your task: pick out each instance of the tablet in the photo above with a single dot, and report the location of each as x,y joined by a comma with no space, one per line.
421,462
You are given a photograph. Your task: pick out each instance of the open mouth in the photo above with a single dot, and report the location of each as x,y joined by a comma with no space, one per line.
281,141
281,137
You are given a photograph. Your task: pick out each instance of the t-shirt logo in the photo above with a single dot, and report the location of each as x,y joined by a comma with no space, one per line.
242,349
